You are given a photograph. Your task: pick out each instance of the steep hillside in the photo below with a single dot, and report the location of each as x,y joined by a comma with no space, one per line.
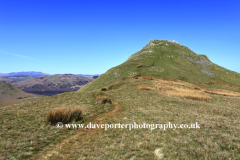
168,59
57,82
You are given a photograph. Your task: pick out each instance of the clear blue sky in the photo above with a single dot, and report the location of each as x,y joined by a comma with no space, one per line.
92,36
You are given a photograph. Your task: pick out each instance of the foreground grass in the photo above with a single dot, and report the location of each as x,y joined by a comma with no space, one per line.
217,138
26,135
24,130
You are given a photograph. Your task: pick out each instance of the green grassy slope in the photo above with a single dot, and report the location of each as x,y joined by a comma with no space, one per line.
167,59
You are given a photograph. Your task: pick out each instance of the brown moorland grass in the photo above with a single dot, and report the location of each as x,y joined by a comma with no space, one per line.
25,135
104,89
217,137
221,92
187,93
64,115
220,83
103,100
178,91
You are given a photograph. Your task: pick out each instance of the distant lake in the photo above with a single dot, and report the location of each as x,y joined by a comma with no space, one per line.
46,93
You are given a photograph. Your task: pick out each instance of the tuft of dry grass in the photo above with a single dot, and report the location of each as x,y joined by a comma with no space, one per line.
185,89
222,92
104,89
136,76
64,115
103,100
185,92
179,91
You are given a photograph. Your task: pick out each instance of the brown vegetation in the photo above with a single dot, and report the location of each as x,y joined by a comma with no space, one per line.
136,76
64,115
145,77
170,85
178,91
222,92
103,100
219,83
139,66
104,89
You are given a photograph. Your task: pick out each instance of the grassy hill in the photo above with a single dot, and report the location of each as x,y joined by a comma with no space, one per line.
7,79
11,95
57,82
171,85
163,59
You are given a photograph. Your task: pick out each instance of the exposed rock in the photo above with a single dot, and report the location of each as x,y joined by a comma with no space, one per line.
202,61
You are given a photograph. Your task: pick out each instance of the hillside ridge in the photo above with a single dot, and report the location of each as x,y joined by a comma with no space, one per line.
164,58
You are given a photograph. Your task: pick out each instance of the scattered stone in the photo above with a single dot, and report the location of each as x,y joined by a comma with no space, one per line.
158,153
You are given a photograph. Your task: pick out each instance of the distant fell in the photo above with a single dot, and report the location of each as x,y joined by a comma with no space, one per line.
30,74
168,59
57,82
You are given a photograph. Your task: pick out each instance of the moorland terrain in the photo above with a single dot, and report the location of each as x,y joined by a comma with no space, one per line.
163,82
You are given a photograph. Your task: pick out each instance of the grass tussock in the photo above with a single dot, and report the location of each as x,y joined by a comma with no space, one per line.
104,89
103,100
64,115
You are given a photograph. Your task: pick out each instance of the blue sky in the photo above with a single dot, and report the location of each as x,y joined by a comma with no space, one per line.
90,37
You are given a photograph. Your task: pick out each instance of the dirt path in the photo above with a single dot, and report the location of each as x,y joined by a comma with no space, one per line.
83,133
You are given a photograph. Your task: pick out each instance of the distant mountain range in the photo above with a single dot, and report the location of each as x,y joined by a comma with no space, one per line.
87,75
23,74
37,74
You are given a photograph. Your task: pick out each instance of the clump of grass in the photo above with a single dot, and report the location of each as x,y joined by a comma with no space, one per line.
136,76
104,89
64,115
103,100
